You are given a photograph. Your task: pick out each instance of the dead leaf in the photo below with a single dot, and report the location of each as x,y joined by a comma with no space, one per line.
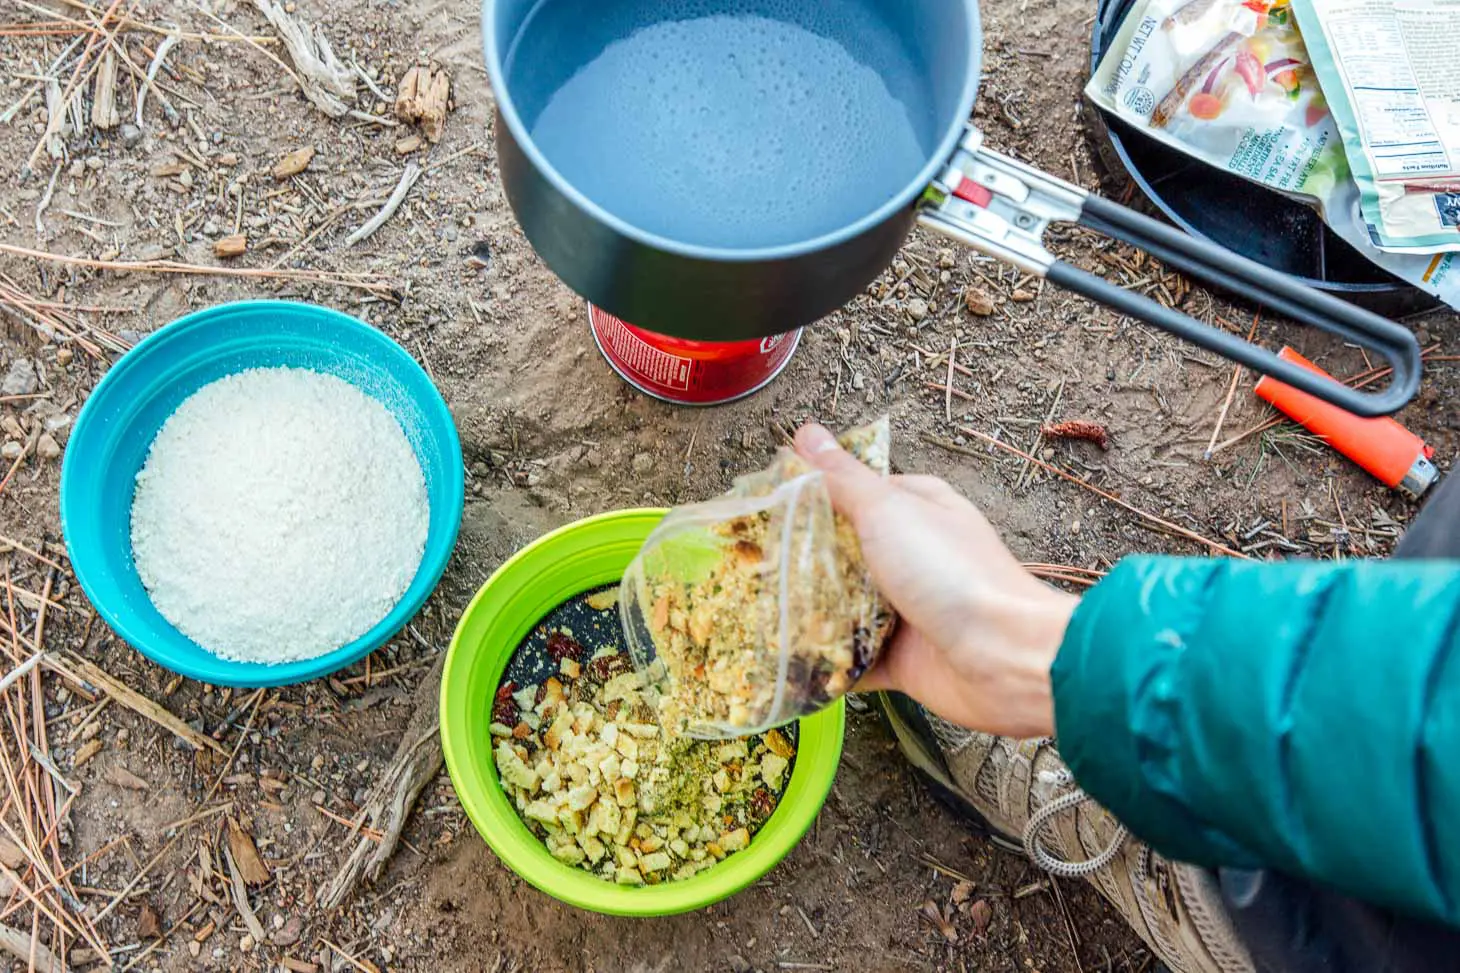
981,912
85,752
294,163
123,777
935,915
246,855
11,855
962,892
149,926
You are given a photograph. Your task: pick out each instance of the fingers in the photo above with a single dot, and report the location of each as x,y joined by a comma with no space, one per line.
854,488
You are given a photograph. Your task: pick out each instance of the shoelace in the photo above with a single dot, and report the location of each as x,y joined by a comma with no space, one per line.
1051,862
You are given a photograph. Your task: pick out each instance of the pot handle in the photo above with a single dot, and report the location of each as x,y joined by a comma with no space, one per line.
1002,207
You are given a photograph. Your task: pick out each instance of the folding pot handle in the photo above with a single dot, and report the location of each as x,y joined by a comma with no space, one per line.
1002,207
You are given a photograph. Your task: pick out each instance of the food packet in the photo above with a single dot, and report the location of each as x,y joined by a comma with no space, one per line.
1232,83
1229,82
1389,69
755,609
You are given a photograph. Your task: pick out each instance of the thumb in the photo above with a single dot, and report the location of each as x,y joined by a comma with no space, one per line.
854,488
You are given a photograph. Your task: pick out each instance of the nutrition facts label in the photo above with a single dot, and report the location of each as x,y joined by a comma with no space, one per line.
1398,61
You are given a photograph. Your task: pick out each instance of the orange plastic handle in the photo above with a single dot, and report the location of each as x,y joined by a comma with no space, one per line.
1381,446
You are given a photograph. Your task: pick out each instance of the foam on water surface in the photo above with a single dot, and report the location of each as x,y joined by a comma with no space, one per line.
721,123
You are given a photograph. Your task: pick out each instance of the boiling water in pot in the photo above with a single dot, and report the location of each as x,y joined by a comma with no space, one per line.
724,124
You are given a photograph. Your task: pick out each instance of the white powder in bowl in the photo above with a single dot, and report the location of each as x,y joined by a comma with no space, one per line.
280,514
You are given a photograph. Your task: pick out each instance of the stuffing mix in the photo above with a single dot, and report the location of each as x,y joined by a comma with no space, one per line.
581,757
784,620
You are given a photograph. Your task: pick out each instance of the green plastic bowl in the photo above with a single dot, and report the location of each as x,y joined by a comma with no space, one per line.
539,578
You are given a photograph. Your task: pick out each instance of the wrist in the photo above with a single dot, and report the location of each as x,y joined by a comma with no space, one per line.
1027,631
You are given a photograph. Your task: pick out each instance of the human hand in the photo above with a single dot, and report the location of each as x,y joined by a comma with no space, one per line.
978,632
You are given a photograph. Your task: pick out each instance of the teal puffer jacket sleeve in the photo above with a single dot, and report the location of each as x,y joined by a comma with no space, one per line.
1301,716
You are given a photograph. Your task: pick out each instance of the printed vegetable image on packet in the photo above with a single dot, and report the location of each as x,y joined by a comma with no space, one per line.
755,609
1230,82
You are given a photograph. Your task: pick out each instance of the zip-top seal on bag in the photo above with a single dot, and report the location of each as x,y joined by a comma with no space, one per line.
1392,71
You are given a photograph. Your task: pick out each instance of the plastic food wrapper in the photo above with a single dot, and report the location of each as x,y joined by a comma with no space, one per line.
755,609
1231,82
1390,69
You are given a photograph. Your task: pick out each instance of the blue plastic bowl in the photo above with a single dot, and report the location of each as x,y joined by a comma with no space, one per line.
123,415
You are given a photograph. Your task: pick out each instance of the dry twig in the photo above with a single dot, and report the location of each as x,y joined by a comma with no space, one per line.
416,761
407,180
81,671
1215,546
334,278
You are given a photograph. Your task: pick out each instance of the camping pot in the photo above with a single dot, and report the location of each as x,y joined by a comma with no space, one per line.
658,106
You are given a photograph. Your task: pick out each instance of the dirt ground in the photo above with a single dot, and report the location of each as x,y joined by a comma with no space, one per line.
550,435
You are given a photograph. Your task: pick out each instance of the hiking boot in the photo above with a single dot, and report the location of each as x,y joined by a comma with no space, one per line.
1022,795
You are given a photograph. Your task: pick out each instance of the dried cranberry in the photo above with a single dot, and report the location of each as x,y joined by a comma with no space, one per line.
560,647
761,804
605,667
504,707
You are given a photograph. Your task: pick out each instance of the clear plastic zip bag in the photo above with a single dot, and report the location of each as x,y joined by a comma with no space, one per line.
754,609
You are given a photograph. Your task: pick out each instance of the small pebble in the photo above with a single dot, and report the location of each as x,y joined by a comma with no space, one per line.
978,302
123,734
64,356
131,136
94,162
210,227
20,378
194,948
643,463
11,450
1022,296
245,944
946,260
46,447
917,308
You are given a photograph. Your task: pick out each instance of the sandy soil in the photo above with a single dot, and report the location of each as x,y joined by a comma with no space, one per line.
550,434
